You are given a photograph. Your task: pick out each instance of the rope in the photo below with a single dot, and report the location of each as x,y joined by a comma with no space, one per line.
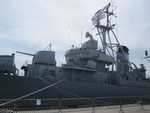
65,92
77,96
32,93
68,93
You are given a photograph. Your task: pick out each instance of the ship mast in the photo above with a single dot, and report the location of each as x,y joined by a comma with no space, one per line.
101,20
110,44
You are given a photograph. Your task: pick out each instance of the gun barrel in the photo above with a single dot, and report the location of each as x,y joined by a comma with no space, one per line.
25,53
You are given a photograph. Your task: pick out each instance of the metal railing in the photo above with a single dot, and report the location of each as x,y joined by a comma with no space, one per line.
78,105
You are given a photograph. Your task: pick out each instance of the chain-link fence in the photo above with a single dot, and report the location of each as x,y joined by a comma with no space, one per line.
128,104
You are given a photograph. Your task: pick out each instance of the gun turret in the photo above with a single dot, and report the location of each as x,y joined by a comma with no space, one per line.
43,64
42,57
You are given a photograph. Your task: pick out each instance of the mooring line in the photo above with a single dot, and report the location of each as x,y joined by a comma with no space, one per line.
62,90
32,93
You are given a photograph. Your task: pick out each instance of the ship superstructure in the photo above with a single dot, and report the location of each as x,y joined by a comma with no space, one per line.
7,65
110,64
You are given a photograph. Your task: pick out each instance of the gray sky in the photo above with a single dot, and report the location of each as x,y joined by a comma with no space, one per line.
30,25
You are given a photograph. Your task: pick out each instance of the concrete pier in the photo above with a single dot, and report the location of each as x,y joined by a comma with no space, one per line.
135,108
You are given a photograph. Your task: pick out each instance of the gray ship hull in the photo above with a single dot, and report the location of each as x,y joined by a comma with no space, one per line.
13,87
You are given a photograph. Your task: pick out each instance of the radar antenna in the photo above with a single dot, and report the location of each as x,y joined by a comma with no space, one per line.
101,20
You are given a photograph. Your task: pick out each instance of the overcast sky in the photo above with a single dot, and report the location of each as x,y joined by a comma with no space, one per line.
30,25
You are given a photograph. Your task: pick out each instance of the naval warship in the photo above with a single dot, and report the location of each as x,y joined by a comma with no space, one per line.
89,71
